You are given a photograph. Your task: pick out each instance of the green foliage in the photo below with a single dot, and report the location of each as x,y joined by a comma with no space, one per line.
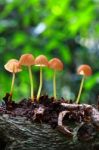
67,29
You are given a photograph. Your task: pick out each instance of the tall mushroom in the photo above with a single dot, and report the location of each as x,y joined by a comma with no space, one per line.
40,61
12,66
84,70
57,65
28,60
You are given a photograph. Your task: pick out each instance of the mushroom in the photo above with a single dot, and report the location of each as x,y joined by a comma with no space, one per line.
57,65
12,66
84,70
28,60
40,61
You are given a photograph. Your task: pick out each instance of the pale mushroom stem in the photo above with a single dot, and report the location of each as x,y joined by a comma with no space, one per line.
12,84
31,83
80,90
40,86
54,84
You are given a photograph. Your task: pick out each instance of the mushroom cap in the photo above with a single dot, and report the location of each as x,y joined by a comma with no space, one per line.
56,64
84,70
41,60
26,60
12,66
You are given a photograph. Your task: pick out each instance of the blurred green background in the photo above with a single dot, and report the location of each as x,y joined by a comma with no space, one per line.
67,29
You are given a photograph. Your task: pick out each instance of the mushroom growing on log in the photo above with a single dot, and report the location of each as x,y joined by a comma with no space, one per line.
28,60
41,61
84,70
57,65
12,66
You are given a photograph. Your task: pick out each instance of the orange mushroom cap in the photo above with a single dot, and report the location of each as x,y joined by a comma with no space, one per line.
84,70
41,60
56,64
12,66
26,60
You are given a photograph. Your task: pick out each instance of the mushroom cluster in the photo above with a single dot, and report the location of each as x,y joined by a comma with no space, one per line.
14,66
28,60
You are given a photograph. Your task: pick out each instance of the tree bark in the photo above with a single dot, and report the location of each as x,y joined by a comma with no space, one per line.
61,125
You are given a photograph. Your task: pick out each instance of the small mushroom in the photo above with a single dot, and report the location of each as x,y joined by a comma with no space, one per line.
84,70
28,60
40,61
57,65
12,66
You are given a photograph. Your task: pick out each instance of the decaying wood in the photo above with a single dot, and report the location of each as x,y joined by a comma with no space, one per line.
18,128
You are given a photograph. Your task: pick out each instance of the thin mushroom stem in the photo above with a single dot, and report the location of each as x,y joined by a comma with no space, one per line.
31,83
54,84
80,90
40,86
12,84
